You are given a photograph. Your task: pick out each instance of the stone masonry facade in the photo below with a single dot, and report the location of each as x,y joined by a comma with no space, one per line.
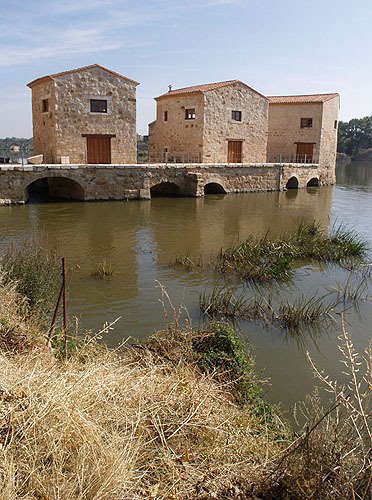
221,112
122,182
63,116
308,120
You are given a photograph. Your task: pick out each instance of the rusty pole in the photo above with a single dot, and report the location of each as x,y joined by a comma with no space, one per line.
64,305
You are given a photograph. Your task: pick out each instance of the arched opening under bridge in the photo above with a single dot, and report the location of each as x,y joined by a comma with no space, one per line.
292,183
165,189
52,189
214,188
313,182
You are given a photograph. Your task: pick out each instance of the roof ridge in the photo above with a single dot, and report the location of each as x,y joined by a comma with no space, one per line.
303,95
76,70
206,87
304,98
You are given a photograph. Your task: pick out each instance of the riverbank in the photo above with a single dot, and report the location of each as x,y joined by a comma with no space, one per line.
180,415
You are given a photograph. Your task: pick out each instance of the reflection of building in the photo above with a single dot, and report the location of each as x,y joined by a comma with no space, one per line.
203,226
86,115
213,123
303,128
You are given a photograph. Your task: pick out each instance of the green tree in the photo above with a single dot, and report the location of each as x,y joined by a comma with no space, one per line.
355,135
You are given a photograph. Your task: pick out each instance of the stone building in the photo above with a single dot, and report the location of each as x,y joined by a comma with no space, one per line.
212,123
303,129
85,115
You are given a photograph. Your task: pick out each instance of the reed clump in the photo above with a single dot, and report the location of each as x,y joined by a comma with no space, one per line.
187,262
104,270
272,258
306,313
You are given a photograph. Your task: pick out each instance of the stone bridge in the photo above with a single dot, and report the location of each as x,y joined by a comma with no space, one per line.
19,184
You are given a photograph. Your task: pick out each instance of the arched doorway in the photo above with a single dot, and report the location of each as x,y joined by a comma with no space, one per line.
214,188
313,182
292,183
51,189
165,189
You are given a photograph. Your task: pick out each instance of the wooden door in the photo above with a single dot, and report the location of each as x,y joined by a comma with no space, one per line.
234,151
98,149
305,152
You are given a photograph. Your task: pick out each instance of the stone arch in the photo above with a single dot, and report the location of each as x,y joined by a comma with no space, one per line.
216,185
56,188
314,181
214,188
292,183
165,188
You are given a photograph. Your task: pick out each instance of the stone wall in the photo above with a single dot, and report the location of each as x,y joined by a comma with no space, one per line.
285,129
219,127
70,117
183,139
44,124
328,147
119,182
205,138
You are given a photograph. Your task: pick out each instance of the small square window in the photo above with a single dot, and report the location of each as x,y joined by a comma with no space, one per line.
306,122
190,114
236,116
45,106
98,105
165,116
335,125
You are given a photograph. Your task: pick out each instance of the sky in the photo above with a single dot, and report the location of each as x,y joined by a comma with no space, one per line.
278,47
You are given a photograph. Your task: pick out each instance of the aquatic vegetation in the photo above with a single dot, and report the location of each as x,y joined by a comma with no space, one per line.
185,261
104,270
272,258
304,314
223,303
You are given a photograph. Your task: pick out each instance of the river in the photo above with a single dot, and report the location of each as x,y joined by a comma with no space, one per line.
140,238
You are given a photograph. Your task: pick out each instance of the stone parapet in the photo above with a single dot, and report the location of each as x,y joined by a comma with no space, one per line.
120,182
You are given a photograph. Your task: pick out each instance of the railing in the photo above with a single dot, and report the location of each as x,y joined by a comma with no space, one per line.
184,158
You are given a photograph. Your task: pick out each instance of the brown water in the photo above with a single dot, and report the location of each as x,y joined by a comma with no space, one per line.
140,238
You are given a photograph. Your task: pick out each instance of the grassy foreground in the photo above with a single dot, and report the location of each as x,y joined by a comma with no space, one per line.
179,416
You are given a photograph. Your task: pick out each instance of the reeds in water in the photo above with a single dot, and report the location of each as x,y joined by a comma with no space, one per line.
305,313
272,258
104,270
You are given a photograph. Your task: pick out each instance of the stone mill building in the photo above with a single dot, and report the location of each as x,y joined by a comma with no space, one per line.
303,128
85,116
212,123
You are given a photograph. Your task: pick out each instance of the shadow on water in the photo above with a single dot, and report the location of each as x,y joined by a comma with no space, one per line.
54,189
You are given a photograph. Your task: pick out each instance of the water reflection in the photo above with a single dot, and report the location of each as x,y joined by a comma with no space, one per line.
139,239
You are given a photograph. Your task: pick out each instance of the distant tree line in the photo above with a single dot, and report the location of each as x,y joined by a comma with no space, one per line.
7,149
355,136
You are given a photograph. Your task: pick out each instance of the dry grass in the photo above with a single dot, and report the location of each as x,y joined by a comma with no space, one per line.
122,426
17,333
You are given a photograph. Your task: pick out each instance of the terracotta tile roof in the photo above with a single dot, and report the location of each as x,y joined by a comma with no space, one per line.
288,99
83,68
204,88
